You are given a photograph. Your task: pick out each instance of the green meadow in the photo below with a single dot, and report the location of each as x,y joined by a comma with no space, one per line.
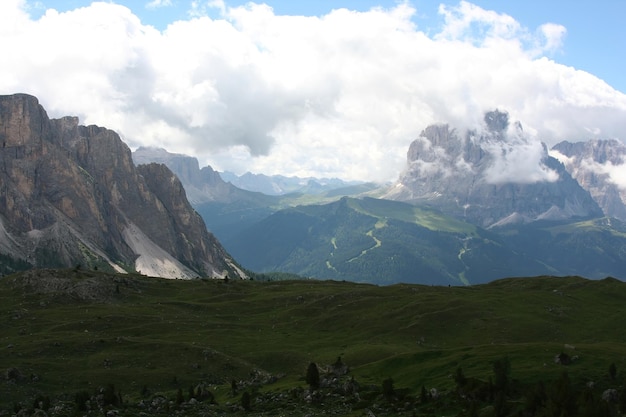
65,331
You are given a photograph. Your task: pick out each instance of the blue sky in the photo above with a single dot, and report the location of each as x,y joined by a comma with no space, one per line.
318,88
595,40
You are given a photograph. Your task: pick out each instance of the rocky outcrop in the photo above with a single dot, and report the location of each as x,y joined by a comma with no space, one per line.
71,194
205,185
490,176
599,166
201,185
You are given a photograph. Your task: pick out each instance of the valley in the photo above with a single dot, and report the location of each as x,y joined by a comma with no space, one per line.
333,299
457,215
451,217
380,208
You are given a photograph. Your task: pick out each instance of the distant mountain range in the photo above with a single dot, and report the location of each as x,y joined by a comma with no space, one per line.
490,177
71,197
599,166
281,185
470,207
228,209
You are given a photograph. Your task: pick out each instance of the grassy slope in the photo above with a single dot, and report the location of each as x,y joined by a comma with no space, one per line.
226,219
168,334
593,248
377,241
428,218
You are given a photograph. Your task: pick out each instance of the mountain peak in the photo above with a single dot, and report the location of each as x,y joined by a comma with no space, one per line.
599,166
72,195
202,185
497,121
485,181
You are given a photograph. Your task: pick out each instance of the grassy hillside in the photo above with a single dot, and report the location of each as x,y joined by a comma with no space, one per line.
376,241
593,248
69,331
383,242
237,212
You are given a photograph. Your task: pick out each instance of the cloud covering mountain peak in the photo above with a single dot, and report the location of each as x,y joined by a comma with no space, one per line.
488,174
336,95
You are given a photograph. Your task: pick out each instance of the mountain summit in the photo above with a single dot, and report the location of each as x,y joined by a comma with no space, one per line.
600,168
71,195
201,185
490,176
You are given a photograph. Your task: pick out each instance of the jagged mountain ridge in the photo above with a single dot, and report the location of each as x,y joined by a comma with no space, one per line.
71,195
490,177
228,209
535,237
224,207
201,184
207,185
281,185
599,166
540,219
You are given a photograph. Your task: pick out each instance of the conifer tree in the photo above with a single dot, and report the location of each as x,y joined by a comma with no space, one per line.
388,390
313,376
613,371
245,401
501,371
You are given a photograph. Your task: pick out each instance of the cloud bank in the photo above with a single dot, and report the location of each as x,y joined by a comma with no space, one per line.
518,159
342,94
614,171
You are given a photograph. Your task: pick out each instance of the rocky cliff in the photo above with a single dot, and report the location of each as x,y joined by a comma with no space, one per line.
201,185
600,168
71,194
490,176
205,185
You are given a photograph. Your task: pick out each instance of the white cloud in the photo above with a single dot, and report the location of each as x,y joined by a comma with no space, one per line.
472,23
564,159
336,95
203,8
553,35
155,4
218,4
614,171
518,159
480,27
617,174
13,15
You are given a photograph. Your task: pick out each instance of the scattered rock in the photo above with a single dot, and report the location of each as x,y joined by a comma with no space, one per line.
13,375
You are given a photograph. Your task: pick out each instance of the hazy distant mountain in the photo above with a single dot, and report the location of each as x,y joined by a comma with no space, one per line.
225,208
280,185
600,168
71,195
201,185
540,219
472,207
228,209
491,177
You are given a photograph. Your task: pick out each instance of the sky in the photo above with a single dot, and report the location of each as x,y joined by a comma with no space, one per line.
317,88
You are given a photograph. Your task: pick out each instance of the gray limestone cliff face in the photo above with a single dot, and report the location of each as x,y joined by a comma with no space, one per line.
68,194
598,165
490,176
201,184
192,242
